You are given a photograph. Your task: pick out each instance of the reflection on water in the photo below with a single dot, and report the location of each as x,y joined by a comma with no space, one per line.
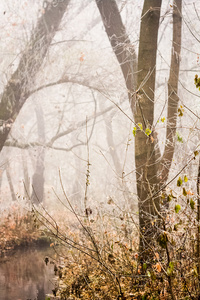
25,276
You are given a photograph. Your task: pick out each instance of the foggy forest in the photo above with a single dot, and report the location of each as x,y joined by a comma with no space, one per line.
99,141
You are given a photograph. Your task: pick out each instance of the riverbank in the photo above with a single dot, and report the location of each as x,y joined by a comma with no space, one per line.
19,230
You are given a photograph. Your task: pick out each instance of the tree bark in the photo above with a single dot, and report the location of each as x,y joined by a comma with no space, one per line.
121,44
37,195
18,87
9,177
143,108
198,226
145,154
173,98
26,177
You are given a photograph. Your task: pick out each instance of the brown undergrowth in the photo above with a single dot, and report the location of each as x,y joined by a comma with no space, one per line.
18,227
100,260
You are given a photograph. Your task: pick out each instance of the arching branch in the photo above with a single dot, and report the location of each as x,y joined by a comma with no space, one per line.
18,87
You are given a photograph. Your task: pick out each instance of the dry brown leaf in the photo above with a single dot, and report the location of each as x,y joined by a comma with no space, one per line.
158,267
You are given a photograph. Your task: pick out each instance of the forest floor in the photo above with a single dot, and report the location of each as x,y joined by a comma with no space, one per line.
98,257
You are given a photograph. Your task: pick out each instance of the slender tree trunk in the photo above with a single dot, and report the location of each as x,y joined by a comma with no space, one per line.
121,44
37,195
198,219
173,98
18,87
142,105
145,154
25,175
9,177
116,160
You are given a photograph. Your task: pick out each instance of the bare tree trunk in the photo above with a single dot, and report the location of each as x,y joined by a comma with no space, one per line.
198,227
121,44
173,98
143,108
26,175
116,160
110,141
145,154
12,190
18,87
37,195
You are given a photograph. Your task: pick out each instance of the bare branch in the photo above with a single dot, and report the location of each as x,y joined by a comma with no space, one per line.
16,143
18,87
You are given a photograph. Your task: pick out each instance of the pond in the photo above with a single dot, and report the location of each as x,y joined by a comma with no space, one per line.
25,276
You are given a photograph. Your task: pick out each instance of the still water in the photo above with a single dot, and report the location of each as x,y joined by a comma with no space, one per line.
25,276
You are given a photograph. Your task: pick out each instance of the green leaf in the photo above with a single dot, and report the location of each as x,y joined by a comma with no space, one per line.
177,208
140,126
192,203
197,81
196,153
179,138
134,131
148,274
185,178
147,131
163,196
169,272
179,181
162,119
162,240
184,192
144,266
180,111
170,268
169,197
